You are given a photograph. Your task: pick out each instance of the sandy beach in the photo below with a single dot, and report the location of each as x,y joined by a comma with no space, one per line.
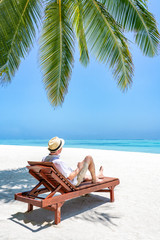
135,214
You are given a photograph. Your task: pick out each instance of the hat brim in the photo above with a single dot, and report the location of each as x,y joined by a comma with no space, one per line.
62,142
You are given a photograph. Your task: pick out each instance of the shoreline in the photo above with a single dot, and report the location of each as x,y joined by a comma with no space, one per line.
22,154
144,146
77,148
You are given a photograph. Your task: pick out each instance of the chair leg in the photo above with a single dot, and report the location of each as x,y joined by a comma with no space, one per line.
30,207
58,213
111,194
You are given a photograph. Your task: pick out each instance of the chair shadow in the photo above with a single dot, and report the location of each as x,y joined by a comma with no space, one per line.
84,208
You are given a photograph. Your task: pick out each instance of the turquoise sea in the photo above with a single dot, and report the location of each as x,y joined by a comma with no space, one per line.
147,146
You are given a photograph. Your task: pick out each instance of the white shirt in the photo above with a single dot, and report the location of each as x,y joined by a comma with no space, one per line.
61,166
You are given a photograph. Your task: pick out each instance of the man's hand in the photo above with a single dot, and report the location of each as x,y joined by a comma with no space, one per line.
80,165
73,174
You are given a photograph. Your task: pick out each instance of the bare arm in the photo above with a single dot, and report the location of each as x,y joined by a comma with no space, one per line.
74,174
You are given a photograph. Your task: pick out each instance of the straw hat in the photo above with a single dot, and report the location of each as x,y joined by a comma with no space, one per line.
55,144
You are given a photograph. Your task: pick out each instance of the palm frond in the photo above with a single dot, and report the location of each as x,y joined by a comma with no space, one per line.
77,16
133,15
56,51
18,20
108,43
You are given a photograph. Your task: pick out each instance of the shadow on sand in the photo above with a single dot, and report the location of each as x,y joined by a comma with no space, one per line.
84,208
14,181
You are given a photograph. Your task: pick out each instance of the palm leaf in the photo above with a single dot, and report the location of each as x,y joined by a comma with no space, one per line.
107,42
17,31
133,15
77,16
56,51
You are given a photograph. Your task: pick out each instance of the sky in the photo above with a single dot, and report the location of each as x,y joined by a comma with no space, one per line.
94,107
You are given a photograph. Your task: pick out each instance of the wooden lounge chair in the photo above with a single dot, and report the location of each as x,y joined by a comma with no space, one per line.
52,181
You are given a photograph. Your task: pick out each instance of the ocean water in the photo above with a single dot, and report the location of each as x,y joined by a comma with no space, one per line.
147,146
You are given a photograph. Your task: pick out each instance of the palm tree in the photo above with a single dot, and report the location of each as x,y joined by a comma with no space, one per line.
98,25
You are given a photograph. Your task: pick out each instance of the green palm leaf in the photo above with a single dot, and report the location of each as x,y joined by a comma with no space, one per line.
17,31
134,16
77,16
99,24
56,51
107,42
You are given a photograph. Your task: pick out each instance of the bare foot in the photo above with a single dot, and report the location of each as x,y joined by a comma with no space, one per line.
100,175
97,180
80,165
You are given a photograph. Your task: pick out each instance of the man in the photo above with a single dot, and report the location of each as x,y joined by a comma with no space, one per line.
74,176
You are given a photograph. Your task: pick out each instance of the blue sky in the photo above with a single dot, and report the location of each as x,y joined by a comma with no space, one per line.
94,108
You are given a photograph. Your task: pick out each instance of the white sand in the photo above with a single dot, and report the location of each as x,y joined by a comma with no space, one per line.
135,214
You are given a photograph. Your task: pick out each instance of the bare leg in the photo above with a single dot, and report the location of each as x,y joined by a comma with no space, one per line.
91,168
99,176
